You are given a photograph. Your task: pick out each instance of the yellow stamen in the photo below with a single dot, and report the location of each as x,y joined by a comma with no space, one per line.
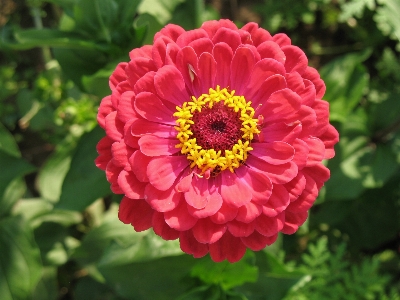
209,160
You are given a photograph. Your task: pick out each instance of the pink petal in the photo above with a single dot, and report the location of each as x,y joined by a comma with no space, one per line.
277,174
306,115
114,127
225,214
233,190
139,163
296,60
281,132
247,213
319,173
121,152
130,185
228,247
150,107
207,232
229,36
105,109
308,93
270,226
271,85
240,229
118,75
260,185
144,51
280,105
270,49
112,173
118,91
163,171
330,137
207,71
301,153
179,218
313,75
125,107
213,205
198,194
262,70
202,45
278,201
258,35
145,84
242,64
307,198
321,109
316,151
281,39
137,68
293,221
188,36
170,30
223,56
212,26
186,181
275,153
170,85
172,52
296,186
103,148
190,245
151,145
162,229
142,127
257,242
159,50
162,201
187,64
136,212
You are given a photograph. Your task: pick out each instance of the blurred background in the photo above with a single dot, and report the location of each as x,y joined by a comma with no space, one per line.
60,237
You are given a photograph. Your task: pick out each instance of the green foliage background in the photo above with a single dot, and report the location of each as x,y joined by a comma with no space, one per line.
59,233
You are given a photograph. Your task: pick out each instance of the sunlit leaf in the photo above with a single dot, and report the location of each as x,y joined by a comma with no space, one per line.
20,266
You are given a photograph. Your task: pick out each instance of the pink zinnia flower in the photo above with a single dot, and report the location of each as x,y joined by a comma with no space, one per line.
216,137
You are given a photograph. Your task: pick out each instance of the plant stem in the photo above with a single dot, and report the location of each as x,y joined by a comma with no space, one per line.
37,20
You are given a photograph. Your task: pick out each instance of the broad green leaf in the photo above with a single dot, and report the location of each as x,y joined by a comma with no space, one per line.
52,174
11,168
30,38
346,80
148,25
8,143
97,84
84,182
226,274
163,278
47,288
88,288
20,266
161,9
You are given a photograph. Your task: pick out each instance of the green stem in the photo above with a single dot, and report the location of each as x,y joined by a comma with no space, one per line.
198,12
37,20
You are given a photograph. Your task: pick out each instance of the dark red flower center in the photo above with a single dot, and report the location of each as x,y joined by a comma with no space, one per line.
217,128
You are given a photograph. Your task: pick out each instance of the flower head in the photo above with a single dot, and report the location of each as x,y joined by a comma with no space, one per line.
216,136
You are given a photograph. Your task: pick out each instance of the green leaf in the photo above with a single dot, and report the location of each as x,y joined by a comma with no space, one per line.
346,80
147,23
52,174
84,182
161,9
47,288
387,20
12,168
97,84
20,266
88,288
8,143
163,278
226,274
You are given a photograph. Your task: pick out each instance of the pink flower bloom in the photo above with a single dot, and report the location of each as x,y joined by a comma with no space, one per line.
216,137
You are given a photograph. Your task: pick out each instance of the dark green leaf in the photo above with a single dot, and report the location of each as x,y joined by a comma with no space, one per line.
84,182
164,278
20,266
8,143
12,168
